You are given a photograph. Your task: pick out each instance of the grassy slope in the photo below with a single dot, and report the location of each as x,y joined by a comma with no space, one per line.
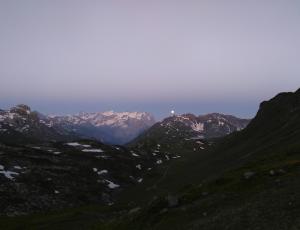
271,142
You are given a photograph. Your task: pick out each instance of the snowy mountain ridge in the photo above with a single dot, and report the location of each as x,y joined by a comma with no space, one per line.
109,118
20,123
210,125
178,130
110,127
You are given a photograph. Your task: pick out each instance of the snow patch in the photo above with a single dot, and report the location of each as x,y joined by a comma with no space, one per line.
139,167
198,127
74,144
199,142
36,147
112,185
159,162
92,150
8,174
221,123
175,157
17,167
102,172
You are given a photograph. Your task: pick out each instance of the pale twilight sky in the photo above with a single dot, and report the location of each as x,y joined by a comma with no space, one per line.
66,56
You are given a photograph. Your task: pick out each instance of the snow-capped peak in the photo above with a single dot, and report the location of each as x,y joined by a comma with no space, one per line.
108,113
101,125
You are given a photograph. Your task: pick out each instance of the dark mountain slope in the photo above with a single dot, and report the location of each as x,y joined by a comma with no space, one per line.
276,127
21,125
53,175
177,130
248,181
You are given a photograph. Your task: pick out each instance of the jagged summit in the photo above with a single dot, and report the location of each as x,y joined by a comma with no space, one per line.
180,129
20,124
209,125
110,127
21,108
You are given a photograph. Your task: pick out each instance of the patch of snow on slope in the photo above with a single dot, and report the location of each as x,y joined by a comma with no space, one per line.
159,162
92,150
104,171
17,167
139,167
8,174
74,144
198,127
221,123
112,185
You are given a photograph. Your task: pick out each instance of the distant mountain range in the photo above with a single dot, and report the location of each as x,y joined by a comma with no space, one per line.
20,123
109,127
178,129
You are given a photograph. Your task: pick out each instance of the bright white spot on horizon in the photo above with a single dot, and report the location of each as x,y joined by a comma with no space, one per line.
199,56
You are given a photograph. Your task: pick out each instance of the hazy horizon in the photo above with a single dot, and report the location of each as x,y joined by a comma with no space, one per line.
245,110
63,57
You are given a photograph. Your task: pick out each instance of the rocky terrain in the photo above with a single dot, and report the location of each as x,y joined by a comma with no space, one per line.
46,167
54,175
247,180
20,124
171,177
189,131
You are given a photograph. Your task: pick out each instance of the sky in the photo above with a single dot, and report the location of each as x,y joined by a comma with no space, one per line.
67,56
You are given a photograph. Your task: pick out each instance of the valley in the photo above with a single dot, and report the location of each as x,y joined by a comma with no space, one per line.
185,172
